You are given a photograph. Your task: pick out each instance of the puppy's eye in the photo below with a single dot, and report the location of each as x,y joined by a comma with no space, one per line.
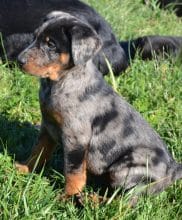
50,43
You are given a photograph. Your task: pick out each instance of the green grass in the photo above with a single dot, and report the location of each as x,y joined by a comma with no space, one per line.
153,88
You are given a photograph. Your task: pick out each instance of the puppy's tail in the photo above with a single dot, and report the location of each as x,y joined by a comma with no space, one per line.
161,184
177,173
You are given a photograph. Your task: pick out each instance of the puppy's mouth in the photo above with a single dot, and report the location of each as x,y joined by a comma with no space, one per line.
51,71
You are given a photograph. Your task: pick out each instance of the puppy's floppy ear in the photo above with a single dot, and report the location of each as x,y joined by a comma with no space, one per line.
85,42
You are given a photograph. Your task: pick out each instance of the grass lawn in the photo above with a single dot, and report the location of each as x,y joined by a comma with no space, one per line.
154,88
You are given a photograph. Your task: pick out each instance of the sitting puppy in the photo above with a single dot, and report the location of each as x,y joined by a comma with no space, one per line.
101,133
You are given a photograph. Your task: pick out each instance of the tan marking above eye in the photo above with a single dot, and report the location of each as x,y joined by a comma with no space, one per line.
47,39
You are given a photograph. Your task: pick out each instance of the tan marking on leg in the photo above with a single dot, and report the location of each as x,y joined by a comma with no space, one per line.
52,115
75,182
42,150
22,168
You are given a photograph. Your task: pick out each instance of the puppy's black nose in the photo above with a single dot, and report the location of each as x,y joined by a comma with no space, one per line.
22,59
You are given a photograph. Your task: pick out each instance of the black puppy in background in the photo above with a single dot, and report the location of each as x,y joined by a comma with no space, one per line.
20,17
17,27
149,46
176,4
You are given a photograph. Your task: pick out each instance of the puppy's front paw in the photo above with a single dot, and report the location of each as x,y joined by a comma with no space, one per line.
75,183
97,199
77,199
22,168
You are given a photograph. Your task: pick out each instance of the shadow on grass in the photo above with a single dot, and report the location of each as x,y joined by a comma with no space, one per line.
16,137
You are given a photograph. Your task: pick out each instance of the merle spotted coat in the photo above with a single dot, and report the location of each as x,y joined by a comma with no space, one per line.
101,132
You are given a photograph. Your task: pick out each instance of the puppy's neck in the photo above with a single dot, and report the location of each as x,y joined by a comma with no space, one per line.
86,70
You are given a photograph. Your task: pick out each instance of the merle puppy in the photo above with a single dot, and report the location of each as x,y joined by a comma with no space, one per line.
17,27
102,134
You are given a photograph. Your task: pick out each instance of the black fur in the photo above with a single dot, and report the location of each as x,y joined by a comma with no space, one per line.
19,19
29,14
152,46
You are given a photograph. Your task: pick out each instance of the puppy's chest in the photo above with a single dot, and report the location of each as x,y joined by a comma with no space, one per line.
51,114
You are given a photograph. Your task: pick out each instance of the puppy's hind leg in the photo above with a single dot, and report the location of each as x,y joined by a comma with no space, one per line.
40,154
146,181
161,183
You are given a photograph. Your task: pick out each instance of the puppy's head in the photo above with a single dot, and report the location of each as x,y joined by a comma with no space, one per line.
60,43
